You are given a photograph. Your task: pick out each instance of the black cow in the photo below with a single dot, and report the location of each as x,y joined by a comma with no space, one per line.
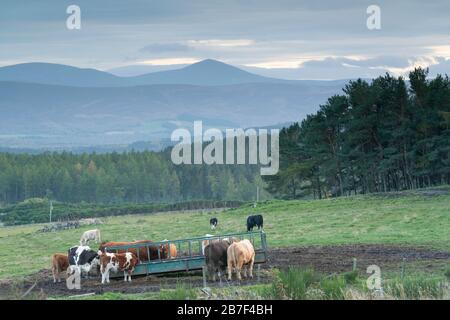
82,258
216,258
256,220
213,223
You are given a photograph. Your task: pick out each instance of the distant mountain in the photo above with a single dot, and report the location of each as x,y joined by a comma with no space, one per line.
58,74
206,72
41,116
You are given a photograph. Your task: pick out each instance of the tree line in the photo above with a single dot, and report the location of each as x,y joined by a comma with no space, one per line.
383,135
114,178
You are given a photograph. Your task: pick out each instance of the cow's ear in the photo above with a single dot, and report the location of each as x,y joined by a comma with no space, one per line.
99,252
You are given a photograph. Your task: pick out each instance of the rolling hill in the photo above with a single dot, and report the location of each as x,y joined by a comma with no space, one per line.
54,106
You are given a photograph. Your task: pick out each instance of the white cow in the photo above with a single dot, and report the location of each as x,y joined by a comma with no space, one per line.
90,235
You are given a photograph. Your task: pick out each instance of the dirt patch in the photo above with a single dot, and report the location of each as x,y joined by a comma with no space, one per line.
329,259
325,259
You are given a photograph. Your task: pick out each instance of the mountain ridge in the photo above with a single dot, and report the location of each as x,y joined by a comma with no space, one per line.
206,72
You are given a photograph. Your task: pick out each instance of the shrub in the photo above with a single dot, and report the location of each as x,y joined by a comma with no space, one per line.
350,277
181,292
292,283
447,272
333,287
414,287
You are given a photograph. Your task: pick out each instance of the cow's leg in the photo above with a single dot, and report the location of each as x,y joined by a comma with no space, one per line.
214,272
250,266
229,269
106,275
103,274
54,274
125,276
238,269
210,272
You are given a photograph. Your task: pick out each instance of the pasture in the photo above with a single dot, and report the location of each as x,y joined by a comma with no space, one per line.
419,220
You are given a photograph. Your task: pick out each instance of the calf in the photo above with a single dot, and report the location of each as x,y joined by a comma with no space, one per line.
240,254
60,263
213,223
117,261
82,258
256,220
90,235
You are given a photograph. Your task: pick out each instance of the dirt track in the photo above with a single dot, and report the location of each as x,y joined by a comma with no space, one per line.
326,259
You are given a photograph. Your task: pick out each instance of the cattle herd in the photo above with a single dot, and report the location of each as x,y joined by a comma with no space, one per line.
230,254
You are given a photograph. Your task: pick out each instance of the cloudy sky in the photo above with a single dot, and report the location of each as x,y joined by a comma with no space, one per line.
292,39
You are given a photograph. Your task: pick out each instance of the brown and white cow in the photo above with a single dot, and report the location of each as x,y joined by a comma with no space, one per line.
60,263
240,255
125,262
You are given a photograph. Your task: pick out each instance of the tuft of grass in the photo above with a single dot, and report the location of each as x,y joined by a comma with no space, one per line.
351,277
293,283
181,292
302,284
415,287
447,272
333,287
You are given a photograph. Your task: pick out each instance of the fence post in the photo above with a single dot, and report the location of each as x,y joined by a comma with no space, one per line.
204,276
402,273
259,269
354,264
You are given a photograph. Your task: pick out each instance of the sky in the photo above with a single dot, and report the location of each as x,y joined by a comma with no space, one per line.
291,39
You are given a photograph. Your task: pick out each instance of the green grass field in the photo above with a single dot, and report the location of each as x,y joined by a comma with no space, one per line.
417,219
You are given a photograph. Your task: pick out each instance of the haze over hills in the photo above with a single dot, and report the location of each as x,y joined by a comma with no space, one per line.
206,72
58,74
61,107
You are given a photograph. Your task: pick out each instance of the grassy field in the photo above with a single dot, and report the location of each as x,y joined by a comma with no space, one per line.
417,219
